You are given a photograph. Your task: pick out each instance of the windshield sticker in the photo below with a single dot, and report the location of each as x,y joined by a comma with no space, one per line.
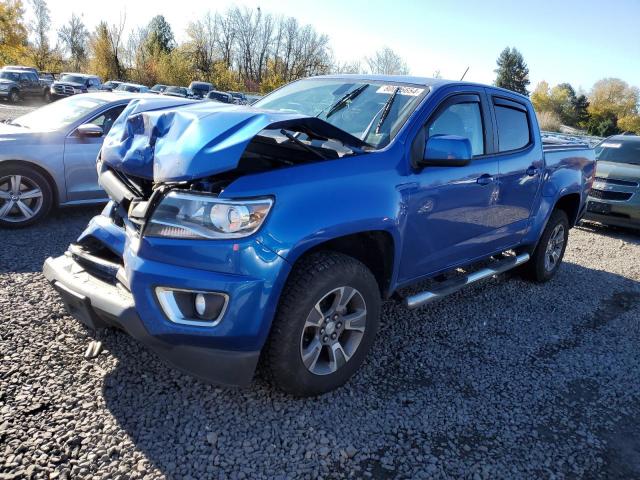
409,91
611,145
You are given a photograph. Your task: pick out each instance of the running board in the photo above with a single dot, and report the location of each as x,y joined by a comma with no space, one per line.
449,287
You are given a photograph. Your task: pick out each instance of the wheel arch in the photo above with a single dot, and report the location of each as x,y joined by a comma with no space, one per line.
570,204
376,249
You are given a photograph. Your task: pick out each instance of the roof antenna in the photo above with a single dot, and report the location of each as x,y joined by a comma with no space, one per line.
463,75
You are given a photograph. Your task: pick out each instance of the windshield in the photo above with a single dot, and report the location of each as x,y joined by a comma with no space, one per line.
72,79
159,88
180,90
128,88
13,76
357,107
60,114
619,151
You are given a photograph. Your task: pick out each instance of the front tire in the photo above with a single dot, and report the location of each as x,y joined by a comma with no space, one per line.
548,254
25,196
14,96
46,97
325,324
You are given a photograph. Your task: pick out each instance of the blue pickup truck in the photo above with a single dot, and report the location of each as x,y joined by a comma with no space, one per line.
270,234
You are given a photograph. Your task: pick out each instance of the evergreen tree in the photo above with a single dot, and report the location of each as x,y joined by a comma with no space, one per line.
512,71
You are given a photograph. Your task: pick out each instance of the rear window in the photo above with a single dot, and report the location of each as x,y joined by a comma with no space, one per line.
513,128
619,151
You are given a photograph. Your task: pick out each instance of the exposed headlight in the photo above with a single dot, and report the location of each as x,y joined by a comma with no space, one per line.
192,215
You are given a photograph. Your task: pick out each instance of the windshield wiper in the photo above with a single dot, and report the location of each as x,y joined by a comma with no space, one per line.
350,96
386,109
300,143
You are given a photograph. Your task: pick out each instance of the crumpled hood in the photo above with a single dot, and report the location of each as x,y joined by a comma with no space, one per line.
196,140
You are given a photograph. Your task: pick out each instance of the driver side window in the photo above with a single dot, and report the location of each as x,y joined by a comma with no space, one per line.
463,120
106,119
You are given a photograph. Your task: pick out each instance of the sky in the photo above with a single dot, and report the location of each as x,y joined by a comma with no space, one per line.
571,41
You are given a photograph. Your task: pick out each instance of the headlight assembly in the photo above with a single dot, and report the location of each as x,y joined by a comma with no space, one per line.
198,216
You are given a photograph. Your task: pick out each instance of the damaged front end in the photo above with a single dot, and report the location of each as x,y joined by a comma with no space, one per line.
205,305
202,148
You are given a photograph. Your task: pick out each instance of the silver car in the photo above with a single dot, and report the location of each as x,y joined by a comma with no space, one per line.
48,156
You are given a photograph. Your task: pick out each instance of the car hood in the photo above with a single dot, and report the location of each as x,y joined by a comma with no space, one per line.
71,84
197,140
618,171
6,81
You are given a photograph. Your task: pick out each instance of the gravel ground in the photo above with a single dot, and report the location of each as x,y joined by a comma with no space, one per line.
504,380
13,110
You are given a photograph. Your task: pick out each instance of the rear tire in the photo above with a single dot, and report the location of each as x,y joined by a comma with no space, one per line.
326,322
548,254
26,197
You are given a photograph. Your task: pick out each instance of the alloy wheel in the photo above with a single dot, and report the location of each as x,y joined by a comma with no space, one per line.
333,330
20,198
554,248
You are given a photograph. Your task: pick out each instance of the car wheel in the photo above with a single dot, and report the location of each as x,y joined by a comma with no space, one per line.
14,96
326,321
25,196
547,256
47,96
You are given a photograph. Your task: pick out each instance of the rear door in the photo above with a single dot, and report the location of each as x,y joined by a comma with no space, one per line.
521,164
80,155
29,84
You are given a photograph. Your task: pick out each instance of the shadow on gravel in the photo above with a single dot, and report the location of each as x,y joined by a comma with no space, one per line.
470,370
51,237
629,235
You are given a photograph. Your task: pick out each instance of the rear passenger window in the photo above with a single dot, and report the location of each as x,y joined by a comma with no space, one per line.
513,128
464,120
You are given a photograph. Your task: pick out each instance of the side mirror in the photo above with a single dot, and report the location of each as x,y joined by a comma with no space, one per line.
447,151
90,130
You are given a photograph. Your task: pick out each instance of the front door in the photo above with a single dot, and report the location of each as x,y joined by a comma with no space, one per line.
80,155
450,217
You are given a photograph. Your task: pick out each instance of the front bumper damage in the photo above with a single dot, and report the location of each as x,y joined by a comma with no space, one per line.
98,304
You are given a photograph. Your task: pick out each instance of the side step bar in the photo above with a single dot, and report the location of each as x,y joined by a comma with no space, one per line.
449,287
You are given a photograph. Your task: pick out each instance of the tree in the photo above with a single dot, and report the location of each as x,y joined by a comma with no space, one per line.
74,38
40,51
13,32
387,62
541,98
512,71
107,50
610,101
630,123
159,36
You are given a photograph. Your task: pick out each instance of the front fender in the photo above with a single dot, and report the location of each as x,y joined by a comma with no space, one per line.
318,202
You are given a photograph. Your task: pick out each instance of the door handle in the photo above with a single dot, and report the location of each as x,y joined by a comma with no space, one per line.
485,179
532,171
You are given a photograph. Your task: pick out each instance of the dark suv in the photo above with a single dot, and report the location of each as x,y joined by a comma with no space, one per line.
21,84
73,83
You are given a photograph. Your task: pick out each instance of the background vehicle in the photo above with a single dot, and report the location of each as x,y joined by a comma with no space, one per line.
239,98
47,157
279,230
21,84
110,85
158,88
74,83
132,88
200,89
615,196
176,92
222,97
